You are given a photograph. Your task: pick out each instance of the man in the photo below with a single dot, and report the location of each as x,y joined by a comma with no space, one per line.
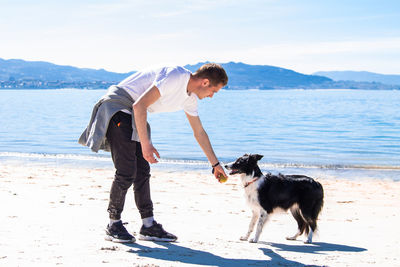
119,124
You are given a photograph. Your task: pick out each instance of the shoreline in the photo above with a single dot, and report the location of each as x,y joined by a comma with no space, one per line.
321,171
56,215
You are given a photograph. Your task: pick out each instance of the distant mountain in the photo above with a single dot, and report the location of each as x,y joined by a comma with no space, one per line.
16,69
360,76
20,74
244,76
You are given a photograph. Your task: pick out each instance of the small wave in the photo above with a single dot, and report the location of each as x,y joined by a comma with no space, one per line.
328,166
53,156
197,163
184,162
333,90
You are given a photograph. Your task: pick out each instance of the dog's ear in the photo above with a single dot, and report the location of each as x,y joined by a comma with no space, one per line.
258,156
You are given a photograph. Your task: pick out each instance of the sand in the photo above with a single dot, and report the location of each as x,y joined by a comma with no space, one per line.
57,215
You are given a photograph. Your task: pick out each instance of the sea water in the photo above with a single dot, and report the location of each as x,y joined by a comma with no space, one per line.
338,133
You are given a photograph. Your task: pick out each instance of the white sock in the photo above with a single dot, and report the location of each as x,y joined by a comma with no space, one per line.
113,221
148,222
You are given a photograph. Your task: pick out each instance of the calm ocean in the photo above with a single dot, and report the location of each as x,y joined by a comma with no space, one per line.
329,133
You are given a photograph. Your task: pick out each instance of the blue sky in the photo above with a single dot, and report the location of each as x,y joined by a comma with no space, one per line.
126,35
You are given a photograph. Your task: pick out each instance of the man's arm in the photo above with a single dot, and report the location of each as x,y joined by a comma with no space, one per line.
205,144
140,113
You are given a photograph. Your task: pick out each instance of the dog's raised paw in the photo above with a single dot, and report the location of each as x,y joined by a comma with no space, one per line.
243,238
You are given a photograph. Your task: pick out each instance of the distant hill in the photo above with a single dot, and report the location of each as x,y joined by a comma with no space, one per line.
20,74
244,76
17,69
360,76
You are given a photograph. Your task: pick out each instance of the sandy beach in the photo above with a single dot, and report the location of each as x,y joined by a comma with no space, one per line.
57,215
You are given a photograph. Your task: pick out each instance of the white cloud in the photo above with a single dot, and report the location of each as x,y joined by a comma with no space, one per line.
321,48
369,55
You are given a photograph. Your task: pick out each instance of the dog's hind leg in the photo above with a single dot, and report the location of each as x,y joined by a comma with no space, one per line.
251,226
262,219
301,223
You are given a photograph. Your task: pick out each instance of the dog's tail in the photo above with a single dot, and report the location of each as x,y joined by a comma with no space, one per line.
313,207
319,202
316,208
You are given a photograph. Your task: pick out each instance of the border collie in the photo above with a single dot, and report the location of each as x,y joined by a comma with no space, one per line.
266,193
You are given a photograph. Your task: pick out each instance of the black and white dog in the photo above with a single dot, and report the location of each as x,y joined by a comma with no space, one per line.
265,193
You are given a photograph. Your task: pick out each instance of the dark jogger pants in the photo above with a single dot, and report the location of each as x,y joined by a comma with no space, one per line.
131,168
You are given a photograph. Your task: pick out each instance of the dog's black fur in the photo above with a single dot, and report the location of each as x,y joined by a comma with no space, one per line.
301,194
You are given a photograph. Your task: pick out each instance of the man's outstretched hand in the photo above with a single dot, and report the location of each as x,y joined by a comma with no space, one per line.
220,174
148,153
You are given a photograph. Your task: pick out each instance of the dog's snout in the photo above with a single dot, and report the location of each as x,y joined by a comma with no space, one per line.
229,165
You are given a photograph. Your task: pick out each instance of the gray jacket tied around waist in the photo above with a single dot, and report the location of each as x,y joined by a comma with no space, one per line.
116,99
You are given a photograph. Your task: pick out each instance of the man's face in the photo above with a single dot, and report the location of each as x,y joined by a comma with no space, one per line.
208,90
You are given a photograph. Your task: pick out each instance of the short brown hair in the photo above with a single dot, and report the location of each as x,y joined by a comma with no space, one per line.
215,73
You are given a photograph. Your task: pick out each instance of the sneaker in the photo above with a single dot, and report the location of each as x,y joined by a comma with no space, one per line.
156,233
118,233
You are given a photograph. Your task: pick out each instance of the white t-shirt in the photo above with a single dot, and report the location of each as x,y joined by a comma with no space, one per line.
171,82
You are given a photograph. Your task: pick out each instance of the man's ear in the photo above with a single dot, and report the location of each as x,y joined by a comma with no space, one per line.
205,82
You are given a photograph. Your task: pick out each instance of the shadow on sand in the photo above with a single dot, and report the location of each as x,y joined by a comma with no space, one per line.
174,253
315,248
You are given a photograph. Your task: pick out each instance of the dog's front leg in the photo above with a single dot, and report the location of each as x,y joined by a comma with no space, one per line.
251,226
261,221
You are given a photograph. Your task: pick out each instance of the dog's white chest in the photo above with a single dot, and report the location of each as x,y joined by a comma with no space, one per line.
251,195
252,199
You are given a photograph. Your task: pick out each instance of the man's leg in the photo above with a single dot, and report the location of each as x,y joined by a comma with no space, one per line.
123,152
150,230
141,185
